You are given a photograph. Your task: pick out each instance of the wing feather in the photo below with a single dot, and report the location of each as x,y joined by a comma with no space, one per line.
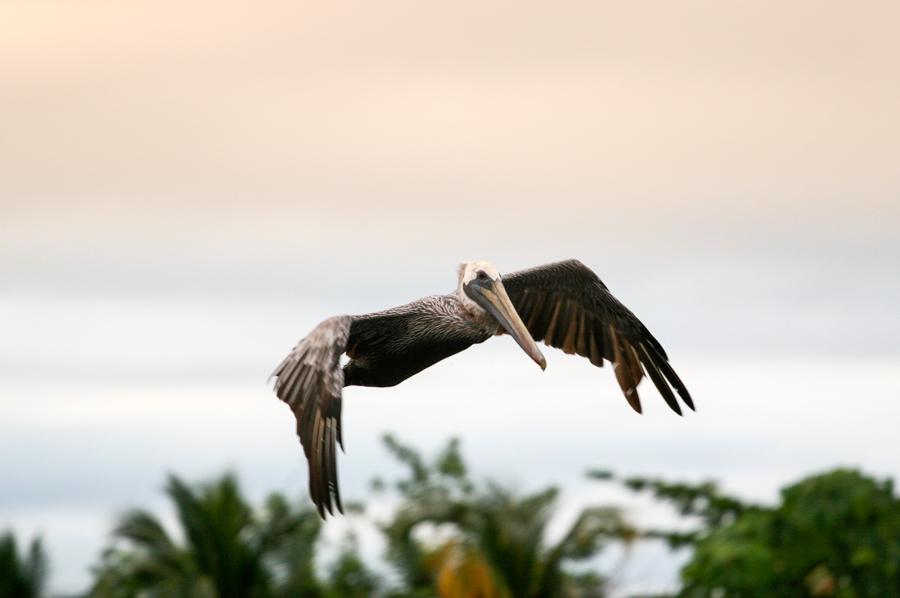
657,378
567,306
581,337
385,348
624,373
310,380
596,354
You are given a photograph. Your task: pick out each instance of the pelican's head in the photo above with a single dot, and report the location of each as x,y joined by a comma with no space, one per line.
482,293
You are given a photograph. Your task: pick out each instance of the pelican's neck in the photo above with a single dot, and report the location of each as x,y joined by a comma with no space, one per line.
474,312
470,306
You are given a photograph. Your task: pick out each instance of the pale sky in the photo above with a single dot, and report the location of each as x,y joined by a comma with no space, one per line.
126,122
188,187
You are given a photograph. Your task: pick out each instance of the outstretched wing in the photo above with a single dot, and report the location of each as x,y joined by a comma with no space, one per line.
310,381
384,348
567,306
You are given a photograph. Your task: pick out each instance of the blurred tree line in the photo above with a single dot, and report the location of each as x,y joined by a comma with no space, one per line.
835,534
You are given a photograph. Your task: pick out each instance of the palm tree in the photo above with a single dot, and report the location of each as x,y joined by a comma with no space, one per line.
21,576
228,551
498,543
349,576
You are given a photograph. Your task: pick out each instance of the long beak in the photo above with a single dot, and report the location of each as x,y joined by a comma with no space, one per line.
493,298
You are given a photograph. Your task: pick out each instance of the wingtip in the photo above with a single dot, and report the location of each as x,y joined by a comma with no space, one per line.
631,396
329,507
676,408
277,371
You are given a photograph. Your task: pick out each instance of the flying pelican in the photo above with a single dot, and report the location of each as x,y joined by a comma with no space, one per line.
563,304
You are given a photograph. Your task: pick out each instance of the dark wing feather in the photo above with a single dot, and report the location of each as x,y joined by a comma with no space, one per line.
567,306
310,381
384,348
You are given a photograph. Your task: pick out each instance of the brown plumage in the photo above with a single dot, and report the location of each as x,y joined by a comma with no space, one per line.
567,306
563,304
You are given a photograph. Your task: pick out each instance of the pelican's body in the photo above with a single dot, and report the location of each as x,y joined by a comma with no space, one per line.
407,339
564,304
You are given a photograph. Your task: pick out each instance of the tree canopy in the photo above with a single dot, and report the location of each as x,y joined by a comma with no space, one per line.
498,543
832,534
21,575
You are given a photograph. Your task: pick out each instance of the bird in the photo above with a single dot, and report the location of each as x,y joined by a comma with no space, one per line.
563,304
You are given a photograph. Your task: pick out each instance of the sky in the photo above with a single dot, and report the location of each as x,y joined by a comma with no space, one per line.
187,188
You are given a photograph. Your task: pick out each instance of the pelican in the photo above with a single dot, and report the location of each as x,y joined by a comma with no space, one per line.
563,304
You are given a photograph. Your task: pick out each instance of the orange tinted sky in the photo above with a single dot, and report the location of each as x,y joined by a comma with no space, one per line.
266,123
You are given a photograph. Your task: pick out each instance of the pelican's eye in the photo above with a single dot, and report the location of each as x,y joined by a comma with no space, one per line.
482,276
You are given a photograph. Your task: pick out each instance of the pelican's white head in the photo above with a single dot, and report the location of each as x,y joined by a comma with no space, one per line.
469,271
482,293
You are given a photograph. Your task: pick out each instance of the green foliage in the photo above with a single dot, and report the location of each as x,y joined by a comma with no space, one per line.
229,549
349,577
495,536
834,534
21,576
288,537
703,501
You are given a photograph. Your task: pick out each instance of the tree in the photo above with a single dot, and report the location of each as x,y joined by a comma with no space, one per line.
833,534
21,576
349,576
229,550
496,543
